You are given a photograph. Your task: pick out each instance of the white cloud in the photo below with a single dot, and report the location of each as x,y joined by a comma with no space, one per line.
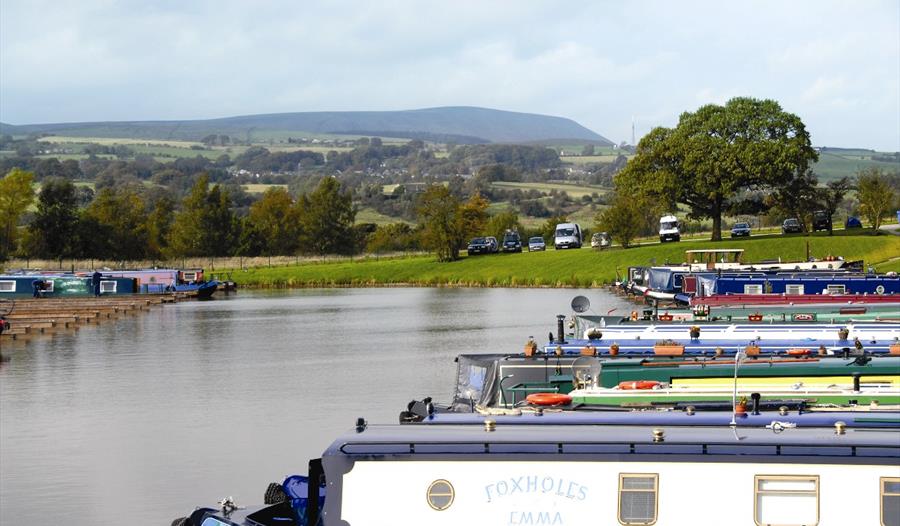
597,63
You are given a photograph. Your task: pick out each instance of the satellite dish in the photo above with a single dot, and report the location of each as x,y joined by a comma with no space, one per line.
585,372
580,304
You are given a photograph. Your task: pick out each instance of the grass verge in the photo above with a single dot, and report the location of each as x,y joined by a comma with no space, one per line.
565,268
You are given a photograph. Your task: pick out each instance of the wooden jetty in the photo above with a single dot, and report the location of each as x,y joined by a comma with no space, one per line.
31,317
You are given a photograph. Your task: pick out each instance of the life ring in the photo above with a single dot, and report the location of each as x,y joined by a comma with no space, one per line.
638,384
634,315
799,352
548,399
879,289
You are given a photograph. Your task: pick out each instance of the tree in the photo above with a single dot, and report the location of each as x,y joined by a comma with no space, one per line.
626,219
498,224
16,195
447,222
831,197
715,152
121,216
276,221
548,230
205,226
326,217
875,195
798,198
53,231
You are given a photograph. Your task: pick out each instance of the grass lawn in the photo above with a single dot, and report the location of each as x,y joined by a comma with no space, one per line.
261,188
565,268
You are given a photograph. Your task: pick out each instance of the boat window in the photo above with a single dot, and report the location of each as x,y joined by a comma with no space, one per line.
786,500
793,289
753,289
890,501
440,495
212,521
837,289
107,286
8,285
48,285
189,276
638,498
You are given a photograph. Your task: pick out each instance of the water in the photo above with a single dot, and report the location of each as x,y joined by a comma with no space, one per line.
152,415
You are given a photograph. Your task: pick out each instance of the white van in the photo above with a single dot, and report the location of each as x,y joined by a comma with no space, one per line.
669,229
568,235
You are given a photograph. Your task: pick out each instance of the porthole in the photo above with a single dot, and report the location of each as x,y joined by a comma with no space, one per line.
440,495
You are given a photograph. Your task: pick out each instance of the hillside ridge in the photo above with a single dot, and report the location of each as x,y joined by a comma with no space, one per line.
465,124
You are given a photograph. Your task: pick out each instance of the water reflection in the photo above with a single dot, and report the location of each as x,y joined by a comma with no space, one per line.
154,414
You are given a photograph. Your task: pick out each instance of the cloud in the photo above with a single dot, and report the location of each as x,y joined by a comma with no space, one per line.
596,63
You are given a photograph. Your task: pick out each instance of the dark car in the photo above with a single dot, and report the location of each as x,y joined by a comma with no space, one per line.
821,220
852,222
482,245
740,230
512,242
791,226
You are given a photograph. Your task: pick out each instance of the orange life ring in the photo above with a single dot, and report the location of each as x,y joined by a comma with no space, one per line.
638,384
798,352
548,399
634,315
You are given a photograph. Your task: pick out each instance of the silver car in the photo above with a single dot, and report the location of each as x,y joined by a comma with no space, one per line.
536,244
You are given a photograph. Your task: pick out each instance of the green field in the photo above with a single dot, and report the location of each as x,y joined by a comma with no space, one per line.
570,268
834,164
575,191
370,215
261,188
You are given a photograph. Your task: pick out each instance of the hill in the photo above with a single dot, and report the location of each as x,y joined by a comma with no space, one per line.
458,124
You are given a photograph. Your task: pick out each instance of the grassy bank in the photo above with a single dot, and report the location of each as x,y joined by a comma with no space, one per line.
569,268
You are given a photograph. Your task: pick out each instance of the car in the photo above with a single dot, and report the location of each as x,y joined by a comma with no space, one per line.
536,244
512,242
852,222
568,235
601,240
821,220
791,225
482,245
740,229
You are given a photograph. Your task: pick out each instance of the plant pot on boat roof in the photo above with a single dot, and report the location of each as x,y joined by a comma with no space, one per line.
614,349
740,407
695,332
668,348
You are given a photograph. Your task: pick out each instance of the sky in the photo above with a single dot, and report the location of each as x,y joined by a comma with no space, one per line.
836,64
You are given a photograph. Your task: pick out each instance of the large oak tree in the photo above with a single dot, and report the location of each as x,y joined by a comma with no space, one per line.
715,153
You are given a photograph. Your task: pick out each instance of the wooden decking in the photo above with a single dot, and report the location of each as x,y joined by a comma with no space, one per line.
30,318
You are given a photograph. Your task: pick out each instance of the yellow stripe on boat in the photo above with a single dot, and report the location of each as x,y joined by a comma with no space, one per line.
748,382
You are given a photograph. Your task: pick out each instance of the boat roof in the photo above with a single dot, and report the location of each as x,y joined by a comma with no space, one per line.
408,441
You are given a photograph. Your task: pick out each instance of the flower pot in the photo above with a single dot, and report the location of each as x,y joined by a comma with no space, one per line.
614,349
664,349
589,350
740,409
752,350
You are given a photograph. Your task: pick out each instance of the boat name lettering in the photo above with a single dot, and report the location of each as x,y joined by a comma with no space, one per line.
534,517
536,484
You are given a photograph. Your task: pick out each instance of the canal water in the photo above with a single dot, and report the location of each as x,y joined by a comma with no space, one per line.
140,420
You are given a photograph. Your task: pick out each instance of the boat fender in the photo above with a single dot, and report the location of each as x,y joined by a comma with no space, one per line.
548,399
638,384
799,352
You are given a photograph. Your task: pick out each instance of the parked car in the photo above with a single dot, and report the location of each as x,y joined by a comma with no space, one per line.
669,229
791,225
740,230
852,222
568,235
821,220
601,240
483,245
536,244
512,242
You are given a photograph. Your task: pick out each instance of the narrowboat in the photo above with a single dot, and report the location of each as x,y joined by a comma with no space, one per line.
62,285
553,471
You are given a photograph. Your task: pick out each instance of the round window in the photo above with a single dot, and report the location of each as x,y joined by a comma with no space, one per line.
440,495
